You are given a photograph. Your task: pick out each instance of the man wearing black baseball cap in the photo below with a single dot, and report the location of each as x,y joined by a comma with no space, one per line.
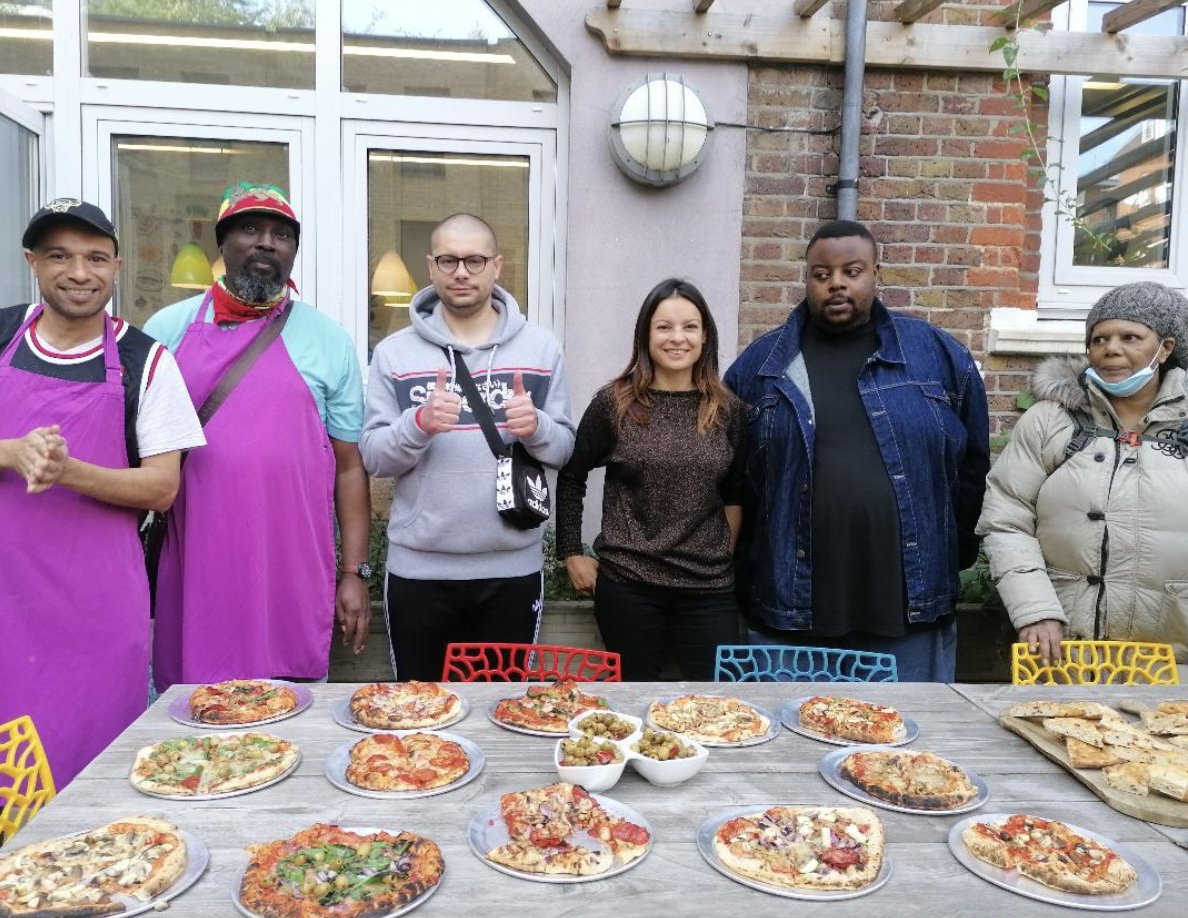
95,415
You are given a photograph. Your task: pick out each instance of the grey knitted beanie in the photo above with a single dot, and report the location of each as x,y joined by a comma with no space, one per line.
1162,310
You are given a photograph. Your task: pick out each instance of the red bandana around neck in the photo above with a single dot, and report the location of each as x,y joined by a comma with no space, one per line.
230,308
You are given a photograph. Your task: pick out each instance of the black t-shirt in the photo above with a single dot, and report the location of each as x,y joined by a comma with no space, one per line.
857,559
133,346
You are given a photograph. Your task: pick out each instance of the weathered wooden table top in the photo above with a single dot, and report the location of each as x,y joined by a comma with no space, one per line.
957,722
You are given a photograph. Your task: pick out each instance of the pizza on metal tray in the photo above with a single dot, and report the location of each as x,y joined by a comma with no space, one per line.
804,847
414,762
548,707
241,701
708,718
213,764
917,780
545,824
78,876
1050,853
329,872
851,719
404,705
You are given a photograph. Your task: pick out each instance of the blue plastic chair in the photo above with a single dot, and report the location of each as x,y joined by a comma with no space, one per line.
763,663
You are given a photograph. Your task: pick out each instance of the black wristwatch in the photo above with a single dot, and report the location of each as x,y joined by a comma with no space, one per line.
363,571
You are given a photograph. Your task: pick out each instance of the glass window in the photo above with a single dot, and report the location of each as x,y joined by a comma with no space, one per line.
167,193
18,176
233,42
458,48
408,193
27,37
1126,161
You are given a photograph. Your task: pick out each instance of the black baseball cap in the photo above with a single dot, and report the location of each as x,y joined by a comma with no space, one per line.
68,210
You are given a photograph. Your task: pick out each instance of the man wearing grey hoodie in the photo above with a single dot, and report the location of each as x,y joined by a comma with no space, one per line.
456,570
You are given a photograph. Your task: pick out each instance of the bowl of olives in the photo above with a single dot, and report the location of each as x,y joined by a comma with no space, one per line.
595,764
606,725
665,758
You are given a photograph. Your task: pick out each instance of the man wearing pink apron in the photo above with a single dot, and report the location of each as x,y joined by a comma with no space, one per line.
246,586
93,415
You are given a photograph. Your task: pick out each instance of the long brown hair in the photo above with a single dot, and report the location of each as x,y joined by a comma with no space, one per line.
630,388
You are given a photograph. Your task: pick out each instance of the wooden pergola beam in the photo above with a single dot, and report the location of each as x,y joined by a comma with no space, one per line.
730,37
805,8
911,10
701,6
1024,11
613,4
1134,12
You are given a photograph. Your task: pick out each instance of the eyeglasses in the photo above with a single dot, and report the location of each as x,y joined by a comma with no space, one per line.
475,264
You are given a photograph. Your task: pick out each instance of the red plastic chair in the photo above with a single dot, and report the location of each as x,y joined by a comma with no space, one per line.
486,662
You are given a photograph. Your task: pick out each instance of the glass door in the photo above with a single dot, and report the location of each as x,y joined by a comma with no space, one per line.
162,183
22,176
402,185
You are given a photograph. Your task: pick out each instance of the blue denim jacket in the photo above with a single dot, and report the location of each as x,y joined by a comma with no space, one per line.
927,405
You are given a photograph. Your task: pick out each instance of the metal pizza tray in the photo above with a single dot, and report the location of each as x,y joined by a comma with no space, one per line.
830,769
237,880
197,860
773,725
515,728
487,831
790,717
1145,890
179,708
235,793
344,718
705,844
340,757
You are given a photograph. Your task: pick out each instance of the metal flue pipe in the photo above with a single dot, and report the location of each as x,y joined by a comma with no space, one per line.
851,115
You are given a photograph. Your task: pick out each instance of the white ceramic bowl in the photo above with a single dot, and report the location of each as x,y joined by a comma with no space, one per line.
670,771
593,778
575,731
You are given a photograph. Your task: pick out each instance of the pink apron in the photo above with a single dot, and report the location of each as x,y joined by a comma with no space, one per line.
74,617
245,587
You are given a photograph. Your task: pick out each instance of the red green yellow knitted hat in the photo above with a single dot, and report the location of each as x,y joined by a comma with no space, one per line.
246,198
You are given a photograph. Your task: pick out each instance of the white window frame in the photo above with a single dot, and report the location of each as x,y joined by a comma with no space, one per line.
102,123
1067,291
323,175
33,121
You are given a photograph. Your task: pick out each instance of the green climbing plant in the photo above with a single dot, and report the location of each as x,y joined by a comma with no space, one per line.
1027,95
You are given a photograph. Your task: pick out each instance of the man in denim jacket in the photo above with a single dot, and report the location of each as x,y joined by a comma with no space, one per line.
867,461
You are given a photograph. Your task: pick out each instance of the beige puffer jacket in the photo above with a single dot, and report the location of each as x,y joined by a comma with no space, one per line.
1100,540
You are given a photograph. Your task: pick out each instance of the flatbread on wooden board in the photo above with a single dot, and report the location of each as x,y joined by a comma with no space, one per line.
1084,755
1089,710
1078,728
1129,777
1170,780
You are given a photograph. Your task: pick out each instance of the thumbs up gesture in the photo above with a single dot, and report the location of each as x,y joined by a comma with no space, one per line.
440,412
521,413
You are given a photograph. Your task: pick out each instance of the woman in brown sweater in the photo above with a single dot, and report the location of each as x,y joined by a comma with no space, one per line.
671,437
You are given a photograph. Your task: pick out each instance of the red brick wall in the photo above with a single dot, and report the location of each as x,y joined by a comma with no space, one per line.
942,187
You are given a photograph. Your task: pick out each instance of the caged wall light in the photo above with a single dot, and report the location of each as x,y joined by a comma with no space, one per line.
659,130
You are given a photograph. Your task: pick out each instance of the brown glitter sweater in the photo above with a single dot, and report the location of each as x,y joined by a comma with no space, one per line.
663,504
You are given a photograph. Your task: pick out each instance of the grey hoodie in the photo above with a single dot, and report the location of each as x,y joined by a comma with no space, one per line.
443,523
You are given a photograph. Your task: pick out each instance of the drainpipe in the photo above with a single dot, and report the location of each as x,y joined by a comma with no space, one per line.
851,119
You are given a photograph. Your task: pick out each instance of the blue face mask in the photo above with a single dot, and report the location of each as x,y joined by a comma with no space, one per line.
1129,385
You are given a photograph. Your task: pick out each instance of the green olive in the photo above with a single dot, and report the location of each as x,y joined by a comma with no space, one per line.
589,751
662,747
606,725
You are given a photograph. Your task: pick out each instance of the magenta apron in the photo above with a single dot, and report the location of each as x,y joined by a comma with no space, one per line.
74,618
245,587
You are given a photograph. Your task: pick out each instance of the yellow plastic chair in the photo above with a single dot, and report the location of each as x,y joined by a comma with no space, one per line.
26,782
1097,663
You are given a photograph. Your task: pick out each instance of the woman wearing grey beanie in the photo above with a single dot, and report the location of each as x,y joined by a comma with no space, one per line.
1085,518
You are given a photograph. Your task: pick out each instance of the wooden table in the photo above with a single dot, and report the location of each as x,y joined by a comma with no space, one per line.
955,721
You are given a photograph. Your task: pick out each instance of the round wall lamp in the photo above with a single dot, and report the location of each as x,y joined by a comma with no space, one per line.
659,130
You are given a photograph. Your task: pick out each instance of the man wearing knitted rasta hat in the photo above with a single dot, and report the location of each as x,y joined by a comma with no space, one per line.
246,586
1094,482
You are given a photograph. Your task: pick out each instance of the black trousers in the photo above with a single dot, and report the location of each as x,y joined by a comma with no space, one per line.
639,621
425,615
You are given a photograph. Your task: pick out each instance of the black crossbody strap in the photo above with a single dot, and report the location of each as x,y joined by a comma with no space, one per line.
238,370
478,406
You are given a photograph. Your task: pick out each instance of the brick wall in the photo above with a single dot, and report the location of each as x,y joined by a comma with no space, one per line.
941,186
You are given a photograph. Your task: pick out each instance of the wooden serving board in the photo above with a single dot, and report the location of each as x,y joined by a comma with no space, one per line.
1154,807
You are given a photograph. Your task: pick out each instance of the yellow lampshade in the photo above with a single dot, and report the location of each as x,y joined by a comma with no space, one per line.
391,277
191,270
